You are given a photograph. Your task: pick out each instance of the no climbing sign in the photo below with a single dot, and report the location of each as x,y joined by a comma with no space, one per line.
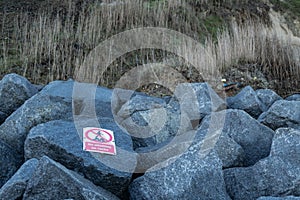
99,140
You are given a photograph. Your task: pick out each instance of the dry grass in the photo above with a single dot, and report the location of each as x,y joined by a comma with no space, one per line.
54,46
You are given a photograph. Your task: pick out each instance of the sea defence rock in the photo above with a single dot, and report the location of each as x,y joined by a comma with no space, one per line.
282,113
53,102
14,91
10,161
195,148
246,100
279,198
60,141
294,97
15,187
198,100
188,176
137,115
147,157
52,180
152,120
50,104
277,175
267,97
239,141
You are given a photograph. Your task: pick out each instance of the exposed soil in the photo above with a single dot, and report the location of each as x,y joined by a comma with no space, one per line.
253,75
243,75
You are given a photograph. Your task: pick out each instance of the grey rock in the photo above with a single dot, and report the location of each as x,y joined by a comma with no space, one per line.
198,100
167,99
61,142
3,116
267,97
294,97
10,161
279,198
238,139
52,103
14,91
246,100
178,120
140,103
91,101
277,175
187,176
39,109
286,145
161,124
151,120
135,116
52,180
15,187
153,155
242,141
282,113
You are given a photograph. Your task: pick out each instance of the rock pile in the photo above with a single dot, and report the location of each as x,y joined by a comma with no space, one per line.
192,145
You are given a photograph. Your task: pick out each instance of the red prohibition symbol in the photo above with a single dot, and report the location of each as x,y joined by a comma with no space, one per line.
99,135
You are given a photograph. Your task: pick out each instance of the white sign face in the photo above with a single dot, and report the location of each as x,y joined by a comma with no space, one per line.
99,140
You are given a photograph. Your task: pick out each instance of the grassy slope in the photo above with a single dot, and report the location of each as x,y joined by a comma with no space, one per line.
197,19
290,9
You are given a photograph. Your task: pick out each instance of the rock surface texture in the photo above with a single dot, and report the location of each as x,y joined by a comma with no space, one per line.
10,162
52,180
14,91
276,175
15,187
188,177
294,97
246,100
191,145
62,143
242,140
282,113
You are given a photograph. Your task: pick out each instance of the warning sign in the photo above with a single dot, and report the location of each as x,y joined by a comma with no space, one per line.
99,140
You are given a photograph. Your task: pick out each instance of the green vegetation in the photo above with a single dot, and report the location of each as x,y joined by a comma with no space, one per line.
213,24
292,6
